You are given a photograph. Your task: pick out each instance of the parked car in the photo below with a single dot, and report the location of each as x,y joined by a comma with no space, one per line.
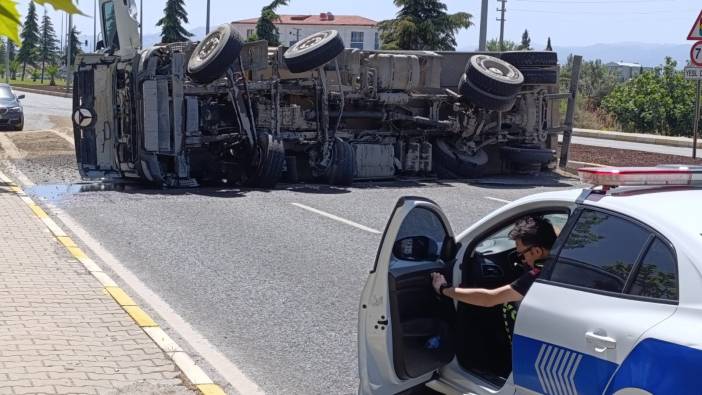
11,110
615,311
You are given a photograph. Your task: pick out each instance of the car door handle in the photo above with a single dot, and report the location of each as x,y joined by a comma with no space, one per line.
602,343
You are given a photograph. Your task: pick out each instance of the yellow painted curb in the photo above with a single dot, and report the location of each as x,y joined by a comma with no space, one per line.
210,389
77,253
139,316
38,211
120,296
66,241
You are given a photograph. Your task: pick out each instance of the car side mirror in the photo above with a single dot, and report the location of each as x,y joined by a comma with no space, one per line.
416,248
20,97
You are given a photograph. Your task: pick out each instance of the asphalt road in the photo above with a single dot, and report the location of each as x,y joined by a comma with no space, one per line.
272,284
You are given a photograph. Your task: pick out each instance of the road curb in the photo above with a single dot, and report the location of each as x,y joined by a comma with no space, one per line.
195,375
682,142
42,92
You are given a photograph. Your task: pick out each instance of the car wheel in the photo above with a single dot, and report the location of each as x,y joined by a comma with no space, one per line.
540,76
530,58
20,126
450,162
527,155
494,75
214,54
313,51
343,166
486,100
267,167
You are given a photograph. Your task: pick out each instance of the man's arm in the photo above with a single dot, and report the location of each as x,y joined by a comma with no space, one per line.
484,297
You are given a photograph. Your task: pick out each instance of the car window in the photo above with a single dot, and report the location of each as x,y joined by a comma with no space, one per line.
110,25
6,93
421,222
500,241
600,252
657,276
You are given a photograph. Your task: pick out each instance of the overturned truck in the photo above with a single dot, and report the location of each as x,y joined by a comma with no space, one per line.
222,110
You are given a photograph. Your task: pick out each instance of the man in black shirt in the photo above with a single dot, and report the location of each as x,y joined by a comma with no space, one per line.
533,238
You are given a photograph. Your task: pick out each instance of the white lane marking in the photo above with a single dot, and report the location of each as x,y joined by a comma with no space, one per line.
335,218
195,339
498,199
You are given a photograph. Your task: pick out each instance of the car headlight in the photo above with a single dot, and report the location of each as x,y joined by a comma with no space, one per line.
15,109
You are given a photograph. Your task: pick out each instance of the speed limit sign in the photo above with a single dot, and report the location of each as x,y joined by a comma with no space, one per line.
696,54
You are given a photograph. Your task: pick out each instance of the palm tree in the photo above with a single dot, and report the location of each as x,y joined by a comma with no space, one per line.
265,27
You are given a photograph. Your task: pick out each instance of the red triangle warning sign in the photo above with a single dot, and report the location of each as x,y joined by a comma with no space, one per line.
696,31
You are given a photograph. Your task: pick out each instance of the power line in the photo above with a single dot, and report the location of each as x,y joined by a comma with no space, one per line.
595,1
603,12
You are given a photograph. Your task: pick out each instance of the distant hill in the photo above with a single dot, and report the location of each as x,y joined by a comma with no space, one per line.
649,55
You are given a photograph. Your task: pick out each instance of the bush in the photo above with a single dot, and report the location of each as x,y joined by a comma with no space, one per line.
659,101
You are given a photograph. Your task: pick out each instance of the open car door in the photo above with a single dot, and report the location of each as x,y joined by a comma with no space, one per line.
405,329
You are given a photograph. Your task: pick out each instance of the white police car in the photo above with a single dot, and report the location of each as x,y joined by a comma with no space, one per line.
617,309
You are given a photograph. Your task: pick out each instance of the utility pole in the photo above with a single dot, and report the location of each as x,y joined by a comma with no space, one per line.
69,67
502,23
483,26
141,24
7,60
207,25
95,16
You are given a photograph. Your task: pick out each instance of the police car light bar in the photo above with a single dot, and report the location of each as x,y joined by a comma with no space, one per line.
660,175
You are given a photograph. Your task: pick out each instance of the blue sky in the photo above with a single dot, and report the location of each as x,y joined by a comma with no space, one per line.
567,22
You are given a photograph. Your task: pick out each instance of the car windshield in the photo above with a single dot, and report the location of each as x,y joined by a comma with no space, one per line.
6,93
109,23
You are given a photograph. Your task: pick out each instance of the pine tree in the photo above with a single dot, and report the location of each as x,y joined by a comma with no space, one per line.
526,41
75,45
265,27
11,50
48,44
171,23
30,40
548,45
423,25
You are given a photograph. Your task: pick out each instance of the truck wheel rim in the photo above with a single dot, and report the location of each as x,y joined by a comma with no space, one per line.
209,46
312,41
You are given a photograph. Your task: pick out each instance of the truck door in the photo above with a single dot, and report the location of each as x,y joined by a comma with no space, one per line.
404,327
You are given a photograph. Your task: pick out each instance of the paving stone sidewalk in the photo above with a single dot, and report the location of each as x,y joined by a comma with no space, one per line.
60,331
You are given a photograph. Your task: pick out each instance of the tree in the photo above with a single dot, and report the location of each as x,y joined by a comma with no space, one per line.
29,50
548,45
526,42
75,44
11,50
48,44
423,25
265,27
659,101
52,70
172,22
14,68
493,45
10,17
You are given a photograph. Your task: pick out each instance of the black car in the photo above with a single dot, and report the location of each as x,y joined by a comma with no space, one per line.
11,111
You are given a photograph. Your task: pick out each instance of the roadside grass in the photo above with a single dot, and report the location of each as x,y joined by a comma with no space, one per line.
28,82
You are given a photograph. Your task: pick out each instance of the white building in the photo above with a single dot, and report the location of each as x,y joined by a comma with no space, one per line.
627,71
356,31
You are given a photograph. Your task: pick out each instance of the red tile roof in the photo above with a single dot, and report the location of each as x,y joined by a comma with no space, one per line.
338,20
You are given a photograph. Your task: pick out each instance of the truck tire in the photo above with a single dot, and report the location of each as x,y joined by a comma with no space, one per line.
480,98
540,76
527,154
314,51
214,54
530,58
343,167
494,75
267,166
449,162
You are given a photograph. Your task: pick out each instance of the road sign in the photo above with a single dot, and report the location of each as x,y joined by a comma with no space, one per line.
696,54
693,73
696,31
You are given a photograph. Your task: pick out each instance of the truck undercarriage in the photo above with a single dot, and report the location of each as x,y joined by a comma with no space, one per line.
222,110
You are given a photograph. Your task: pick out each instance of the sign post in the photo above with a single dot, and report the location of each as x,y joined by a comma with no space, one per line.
694,72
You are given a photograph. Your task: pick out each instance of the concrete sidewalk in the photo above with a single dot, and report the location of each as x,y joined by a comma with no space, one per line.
61,330
653,139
